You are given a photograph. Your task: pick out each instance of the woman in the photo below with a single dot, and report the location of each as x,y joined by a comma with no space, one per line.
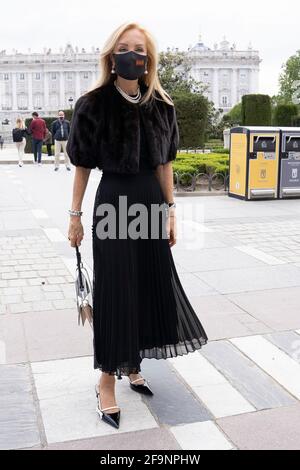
18,134
126,126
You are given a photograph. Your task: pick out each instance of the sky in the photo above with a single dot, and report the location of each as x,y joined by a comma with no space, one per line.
271,27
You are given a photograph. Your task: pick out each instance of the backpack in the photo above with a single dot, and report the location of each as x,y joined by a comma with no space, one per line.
17,135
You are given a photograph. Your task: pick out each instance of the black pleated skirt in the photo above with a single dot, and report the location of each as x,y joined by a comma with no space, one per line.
140,307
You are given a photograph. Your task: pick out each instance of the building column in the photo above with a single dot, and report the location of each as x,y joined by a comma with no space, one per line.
77,85
46,90
253,81
234,85
215,91
30,94
14,91
62,90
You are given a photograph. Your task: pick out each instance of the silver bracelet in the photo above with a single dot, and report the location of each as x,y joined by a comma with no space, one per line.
74,212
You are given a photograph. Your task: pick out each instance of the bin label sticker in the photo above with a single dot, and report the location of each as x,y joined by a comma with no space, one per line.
294,155
294,172
263,173
269,155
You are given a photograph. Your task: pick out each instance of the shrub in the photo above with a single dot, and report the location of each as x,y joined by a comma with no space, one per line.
256,110
284,114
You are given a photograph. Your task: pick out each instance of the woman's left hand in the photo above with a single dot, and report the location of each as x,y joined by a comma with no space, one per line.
171,229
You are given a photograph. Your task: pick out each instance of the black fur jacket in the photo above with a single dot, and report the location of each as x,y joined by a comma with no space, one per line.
105,131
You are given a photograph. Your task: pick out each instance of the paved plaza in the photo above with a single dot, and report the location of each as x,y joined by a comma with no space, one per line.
241,271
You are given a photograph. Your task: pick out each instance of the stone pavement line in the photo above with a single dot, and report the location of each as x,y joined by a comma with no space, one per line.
284,369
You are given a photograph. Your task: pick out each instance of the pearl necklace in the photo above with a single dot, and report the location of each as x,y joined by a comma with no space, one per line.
133,99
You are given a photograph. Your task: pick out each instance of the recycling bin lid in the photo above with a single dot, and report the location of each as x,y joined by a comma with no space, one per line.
290,129
244,129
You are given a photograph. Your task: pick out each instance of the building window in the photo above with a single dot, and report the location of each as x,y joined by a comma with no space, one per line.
69,76
85,75
37,76
54,101
53,76
22,101
37,102
7,102
6,76
22,76
224,100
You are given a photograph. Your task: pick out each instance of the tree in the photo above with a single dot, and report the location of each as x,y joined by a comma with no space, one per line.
256,110
289,81
195,113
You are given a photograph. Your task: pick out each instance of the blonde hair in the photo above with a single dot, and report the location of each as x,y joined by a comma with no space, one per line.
20,123
150,79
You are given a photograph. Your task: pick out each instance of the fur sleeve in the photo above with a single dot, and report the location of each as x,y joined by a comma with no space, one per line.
82,145
174,135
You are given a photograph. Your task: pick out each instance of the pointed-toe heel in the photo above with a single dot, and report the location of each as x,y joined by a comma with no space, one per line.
110,418
141,388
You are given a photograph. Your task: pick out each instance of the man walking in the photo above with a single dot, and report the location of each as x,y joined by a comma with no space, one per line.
38,131
60,133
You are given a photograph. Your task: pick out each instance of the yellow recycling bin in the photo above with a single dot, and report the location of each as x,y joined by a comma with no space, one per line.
253,162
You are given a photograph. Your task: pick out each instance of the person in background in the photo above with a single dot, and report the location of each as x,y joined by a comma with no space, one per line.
18,134
1,142
60,133
38,130
48,142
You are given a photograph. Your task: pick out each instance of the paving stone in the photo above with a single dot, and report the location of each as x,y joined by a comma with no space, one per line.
68,402
251,279
10,275
211,387
275,429
255,385
18,420
201,436
10,299
145,439
17,283
20,308
276,308
288,341
172,403
12,340
215,259
272,360
44,342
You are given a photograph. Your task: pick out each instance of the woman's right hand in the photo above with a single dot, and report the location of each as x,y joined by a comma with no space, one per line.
75,234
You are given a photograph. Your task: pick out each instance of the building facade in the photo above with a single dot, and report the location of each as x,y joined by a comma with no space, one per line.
48,81
227,73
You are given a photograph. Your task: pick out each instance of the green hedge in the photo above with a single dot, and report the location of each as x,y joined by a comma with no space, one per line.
201,163
284,114
296,121
256,110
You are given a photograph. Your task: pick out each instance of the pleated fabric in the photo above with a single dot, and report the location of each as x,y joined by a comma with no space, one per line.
140,307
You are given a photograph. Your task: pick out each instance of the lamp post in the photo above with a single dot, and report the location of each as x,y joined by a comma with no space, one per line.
71,102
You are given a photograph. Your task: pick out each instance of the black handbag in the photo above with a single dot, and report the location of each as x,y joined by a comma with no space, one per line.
84,293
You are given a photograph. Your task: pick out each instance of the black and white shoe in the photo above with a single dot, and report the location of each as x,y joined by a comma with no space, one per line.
110,418
141,387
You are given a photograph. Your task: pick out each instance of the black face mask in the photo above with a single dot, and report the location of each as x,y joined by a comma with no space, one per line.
130,65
